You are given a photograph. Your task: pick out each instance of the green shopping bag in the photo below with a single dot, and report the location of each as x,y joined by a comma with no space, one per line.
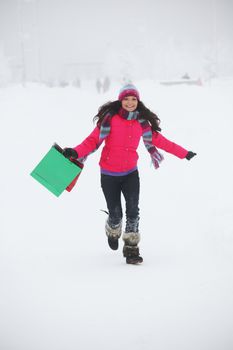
56,172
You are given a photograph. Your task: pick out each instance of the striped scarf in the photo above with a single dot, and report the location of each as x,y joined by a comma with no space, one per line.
105,128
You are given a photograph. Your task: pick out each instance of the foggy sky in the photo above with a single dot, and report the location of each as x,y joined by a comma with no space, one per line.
143,37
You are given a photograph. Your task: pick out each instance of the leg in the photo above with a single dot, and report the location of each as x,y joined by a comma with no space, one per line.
130,190
131,237
112,192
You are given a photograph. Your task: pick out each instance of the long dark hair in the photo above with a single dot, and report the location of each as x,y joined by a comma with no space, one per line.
114,107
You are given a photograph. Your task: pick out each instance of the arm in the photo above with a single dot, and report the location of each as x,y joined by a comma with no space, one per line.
90,144
160,141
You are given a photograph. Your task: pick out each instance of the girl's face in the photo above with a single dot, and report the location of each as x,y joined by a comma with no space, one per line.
129,103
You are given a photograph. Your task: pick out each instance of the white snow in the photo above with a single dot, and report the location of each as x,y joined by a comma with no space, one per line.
62,288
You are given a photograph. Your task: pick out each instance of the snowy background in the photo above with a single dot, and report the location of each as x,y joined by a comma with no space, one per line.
55,41
61,287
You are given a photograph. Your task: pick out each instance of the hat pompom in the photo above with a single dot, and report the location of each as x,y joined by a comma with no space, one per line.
128,90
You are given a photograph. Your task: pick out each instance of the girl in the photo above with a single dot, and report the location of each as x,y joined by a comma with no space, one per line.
121,124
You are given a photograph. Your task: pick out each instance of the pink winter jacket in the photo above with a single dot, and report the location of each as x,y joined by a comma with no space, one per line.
120,151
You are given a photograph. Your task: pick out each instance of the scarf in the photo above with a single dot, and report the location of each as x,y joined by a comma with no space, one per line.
105,129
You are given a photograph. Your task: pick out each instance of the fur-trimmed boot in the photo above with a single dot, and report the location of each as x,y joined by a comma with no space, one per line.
131,249
113,233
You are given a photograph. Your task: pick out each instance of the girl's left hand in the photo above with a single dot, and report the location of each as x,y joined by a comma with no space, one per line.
190,155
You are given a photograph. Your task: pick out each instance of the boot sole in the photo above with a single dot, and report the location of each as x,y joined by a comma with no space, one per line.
134,262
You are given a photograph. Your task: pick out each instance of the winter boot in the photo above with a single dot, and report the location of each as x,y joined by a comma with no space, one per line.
113,233
132,255
131,249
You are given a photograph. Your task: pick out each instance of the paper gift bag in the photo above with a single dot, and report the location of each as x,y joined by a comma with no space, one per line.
56,172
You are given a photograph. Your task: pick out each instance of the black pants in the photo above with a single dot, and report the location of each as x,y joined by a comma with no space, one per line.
129,186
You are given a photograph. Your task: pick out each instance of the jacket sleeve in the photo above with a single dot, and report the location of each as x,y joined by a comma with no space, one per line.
160,141
90,144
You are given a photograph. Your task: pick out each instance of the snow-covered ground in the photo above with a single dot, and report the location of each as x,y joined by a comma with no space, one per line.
62,288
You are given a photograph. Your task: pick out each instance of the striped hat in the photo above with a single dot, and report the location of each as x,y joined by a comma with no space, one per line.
128,90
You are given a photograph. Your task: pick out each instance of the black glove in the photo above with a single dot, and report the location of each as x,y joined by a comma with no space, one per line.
190,155
70,153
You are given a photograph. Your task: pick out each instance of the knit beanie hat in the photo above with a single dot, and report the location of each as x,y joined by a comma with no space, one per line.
128,90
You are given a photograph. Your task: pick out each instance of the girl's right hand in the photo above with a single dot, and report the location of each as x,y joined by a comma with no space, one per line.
70,153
